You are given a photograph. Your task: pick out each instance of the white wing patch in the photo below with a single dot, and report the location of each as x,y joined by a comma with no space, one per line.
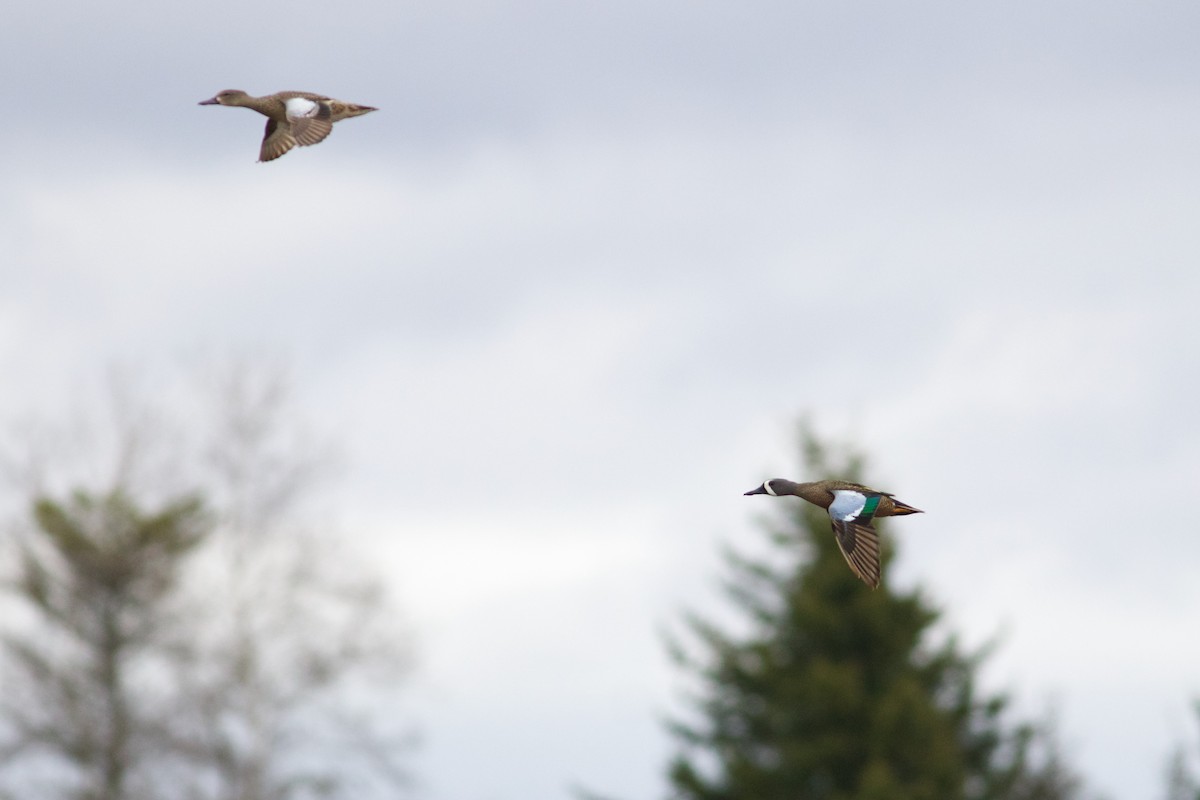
300,107
847,504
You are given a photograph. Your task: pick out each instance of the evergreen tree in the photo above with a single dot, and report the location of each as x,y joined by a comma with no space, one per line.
836,693
1182,781
95,572
234,653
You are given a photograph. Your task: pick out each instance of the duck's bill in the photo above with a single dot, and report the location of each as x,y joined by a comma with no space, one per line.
760,490
212,101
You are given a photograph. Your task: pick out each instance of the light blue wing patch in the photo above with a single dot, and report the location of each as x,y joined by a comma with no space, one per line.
847,504
851,506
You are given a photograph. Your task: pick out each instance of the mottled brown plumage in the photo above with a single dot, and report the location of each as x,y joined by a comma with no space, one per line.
293,118
851,508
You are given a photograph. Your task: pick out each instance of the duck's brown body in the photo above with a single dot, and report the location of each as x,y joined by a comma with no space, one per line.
293,118
820,493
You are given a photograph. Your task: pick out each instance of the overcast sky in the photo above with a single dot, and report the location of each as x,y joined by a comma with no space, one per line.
563,298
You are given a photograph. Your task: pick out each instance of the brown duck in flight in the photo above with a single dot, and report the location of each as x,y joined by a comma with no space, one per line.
293,118
851,508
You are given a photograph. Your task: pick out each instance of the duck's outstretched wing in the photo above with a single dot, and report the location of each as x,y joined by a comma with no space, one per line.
851,513
310,119
859,544
276,141
308,122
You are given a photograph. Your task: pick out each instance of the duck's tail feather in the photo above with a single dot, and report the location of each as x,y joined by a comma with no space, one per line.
900,509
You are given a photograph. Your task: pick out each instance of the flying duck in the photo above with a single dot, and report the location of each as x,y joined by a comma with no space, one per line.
293,118
851,508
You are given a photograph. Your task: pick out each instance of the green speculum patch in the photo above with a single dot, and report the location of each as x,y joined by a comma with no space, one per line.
870,506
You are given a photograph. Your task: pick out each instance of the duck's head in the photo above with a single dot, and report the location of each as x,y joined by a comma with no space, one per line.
765,489
229,97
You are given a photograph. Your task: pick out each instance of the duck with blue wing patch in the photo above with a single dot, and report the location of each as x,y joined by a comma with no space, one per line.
851,508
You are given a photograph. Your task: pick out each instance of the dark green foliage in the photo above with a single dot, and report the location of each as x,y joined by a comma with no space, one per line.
836,693
1182,781
104,549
